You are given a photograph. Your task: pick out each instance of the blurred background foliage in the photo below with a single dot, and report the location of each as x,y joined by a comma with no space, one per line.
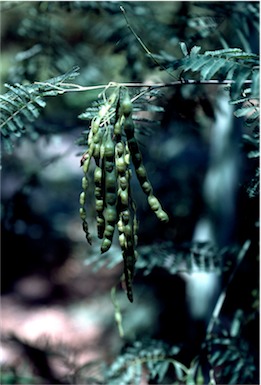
46,263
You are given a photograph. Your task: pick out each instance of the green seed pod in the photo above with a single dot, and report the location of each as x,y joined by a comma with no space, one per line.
95,124
127,158
109,230
85,183
154,202
120,226
86,164
110,181
141,172
111,214
162,216
82,212
122,240
109,147
82,198
90,137
111,198
127,231
121,164
106,244
123,182
125,217
126,104
109,165
96,152
119,149
129,128
114,95
86,230
98,192
103,110
124,197
96,138
97,175
100,225
128,280
117,128
135,152
147,188
99,205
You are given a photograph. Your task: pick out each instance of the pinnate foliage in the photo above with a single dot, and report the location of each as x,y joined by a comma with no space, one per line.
225,64
22,104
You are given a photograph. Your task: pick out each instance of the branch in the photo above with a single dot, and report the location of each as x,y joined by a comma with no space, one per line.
78,88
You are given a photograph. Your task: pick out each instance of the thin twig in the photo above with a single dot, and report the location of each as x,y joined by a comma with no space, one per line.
143,45
79,88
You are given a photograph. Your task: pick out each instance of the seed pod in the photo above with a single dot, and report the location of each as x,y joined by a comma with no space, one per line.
100,225
125,216
124,197
90,137
106,244
85,183
128,282
111,214
82,212
126,104
103,110
85,229
141,172
109,165
95,124
127,155
109,147
120,226
153,202
99,205
82,198
110,181
119,149
109,230
147,188
135,152
121,164
111,198
129,128
162,216
117,128
97,175
122,240
123,182
127,231
86,164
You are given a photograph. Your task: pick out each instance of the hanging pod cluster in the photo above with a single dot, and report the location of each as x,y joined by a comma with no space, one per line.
113,146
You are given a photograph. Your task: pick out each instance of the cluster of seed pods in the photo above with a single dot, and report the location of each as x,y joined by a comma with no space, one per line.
113,146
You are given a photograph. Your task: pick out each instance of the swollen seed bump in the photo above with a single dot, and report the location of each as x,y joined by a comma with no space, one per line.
162,216
99,205
153,202
85,183
82,198
106,244
82,212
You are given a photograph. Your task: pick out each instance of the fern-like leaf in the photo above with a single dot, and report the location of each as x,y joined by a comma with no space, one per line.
225,64
21,105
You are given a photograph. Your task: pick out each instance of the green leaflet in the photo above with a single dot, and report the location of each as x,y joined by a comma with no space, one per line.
21,105
208,71
225,64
